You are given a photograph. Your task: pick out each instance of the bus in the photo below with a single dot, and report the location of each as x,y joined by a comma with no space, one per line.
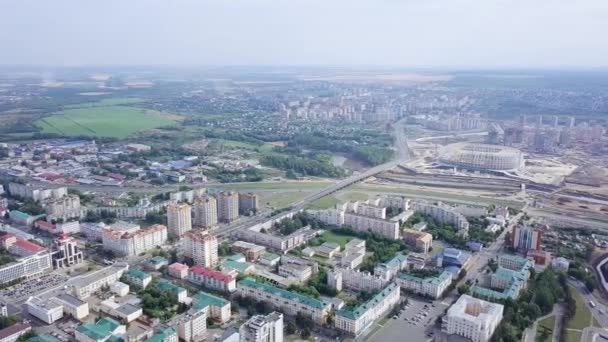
592,304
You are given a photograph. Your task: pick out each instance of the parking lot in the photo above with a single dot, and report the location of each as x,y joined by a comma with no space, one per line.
32,287
416,322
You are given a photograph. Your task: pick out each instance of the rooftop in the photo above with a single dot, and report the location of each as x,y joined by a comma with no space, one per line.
138,274
433,280
13,329
100,330
169,286
235,265
203,299
178,266
162,336
70,299
211,274
29,246
363,308
303,299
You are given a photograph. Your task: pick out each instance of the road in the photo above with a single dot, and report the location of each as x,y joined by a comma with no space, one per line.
601,318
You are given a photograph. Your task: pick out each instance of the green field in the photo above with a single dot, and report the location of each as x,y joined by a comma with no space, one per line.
103,121
323,203
291,185
354,196
547,324
582,318
330,236
285,199
107,102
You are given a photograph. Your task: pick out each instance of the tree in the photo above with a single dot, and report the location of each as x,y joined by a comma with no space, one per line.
305,333
291,328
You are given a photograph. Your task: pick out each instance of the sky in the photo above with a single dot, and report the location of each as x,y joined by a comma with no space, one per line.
405,33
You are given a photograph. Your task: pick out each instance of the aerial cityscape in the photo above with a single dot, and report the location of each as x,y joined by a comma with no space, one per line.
226,193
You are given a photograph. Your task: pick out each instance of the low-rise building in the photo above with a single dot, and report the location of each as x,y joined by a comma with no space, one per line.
84,286
138,278
126,313
290,303
431,286
354,321
473,318
99,331
156,263
47,311
166,335
72,306
120,289
269,259
561,264
178,270
26,248
178,292
12,333
250,250
212,279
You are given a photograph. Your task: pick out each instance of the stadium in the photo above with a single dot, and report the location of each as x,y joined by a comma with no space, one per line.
481,157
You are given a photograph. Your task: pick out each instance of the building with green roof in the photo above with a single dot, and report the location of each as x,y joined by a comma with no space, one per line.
288,302
101,331
167,335
217,308
239,267
269,259
504,283
432,287
43,338
354,321
138,278
166,286
156,263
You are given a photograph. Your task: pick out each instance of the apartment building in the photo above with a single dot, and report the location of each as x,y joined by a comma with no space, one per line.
28,191
212,279
420,240
63,208
391,268
205,212
227,206
201,247
263,328
130,244
444,214
433,286
354,321
191,326
248,203
526,238
290,303
189,195
515,262
217,308
353,254
179,219
277,242
362,281
12,333
473,318
367,224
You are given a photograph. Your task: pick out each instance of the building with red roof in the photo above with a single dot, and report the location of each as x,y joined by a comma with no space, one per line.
25,248
212,279
46,226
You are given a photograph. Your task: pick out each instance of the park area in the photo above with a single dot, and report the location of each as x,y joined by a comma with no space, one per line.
103,120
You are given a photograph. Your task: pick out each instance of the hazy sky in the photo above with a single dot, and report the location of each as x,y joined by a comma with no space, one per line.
418,33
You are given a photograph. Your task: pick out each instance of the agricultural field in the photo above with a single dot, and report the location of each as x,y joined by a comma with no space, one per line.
103,121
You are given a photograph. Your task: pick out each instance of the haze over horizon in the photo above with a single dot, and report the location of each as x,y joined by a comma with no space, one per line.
411,33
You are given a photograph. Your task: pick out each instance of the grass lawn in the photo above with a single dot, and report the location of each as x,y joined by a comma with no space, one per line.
446,197
294,185
573,336
108,121
354,196
324,203
582,318
547,324
114,101
286,198
330,236
236,144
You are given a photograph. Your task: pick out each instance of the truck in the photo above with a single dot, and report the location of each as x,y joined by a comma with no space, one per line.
591,303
